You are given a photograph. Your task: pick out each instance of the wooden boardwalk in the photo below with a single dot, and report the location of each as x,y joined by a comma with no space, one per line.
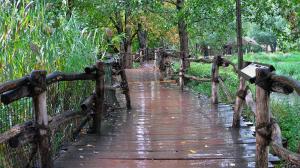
166,128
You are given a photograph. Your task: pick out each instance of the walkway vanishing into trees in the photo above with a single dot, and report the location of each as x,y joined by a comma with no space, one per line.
165,128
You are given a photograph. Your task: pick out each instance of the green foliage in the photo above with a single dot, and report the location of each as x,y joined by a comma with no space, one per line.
35,36
288,117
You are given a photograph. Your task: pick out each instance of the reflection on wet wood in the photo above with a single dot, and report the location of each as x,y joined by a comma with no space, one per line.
165,128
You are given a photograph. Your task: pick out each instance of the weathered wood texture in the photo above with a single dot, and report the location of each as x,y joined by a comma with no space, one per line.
287,81
11,85
250,101
181,76
64,117
194,78
38,79
125,88
60,76
99,102
239,103
88,103
215,80
14,95
262,118
15,131
165,128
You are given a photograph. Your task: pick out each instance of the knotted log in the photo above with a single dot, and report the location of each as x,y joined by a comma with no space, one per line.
12,85
60,76
194,78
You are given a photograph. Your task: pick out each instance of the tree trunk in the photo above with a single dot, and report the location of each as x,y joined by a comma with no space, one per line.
127,48
142,38
127,41
183,36
239,34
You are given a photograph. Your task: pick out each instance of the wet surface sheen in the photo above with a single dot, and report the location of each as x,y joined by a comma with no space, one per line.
166,128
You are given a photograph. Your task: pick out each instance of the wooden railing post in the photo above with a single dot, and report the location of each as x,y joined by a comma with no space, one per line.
215,79
39,87
141,57
262,117
125,88
181,72
156,58
239,103
99,89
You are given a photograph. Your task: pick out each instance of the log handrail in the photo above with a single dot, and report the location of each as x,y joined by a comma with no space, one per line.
194,78
60,76
11,85
35,86
287,81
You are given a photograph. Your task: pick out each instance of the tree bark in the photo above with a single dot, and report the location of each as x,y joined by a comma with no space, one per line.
239,34
142,38
183,36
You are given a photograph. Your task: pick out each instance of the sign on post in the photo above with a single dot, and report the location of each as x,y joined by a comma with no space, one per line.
249,72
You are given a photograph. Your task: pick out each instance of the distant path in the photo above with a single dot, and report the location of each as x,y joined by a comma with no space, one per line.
166,128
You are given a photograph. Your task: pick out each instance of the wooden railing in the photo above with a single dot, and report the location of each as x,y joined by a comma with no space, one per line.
268,131
38,131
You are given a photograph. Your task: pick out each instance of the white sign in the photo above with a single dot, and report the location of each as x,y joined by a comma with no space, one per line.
250,70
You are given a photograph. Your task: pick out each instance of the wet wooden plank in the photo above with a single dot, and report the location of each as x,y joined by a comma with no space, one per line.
104,163
165,128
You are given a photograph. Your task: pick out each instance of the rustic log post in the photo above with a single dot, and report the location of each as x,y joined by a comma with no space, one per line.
215,79
141,57
181,72
262,116
99,103
125,88
39,87
239,103
155,58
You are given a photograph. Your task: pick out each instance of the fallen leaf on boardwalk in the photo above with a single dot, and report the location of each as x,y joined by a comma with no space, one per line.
183,142
81,157
89,145
192,151
173,117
